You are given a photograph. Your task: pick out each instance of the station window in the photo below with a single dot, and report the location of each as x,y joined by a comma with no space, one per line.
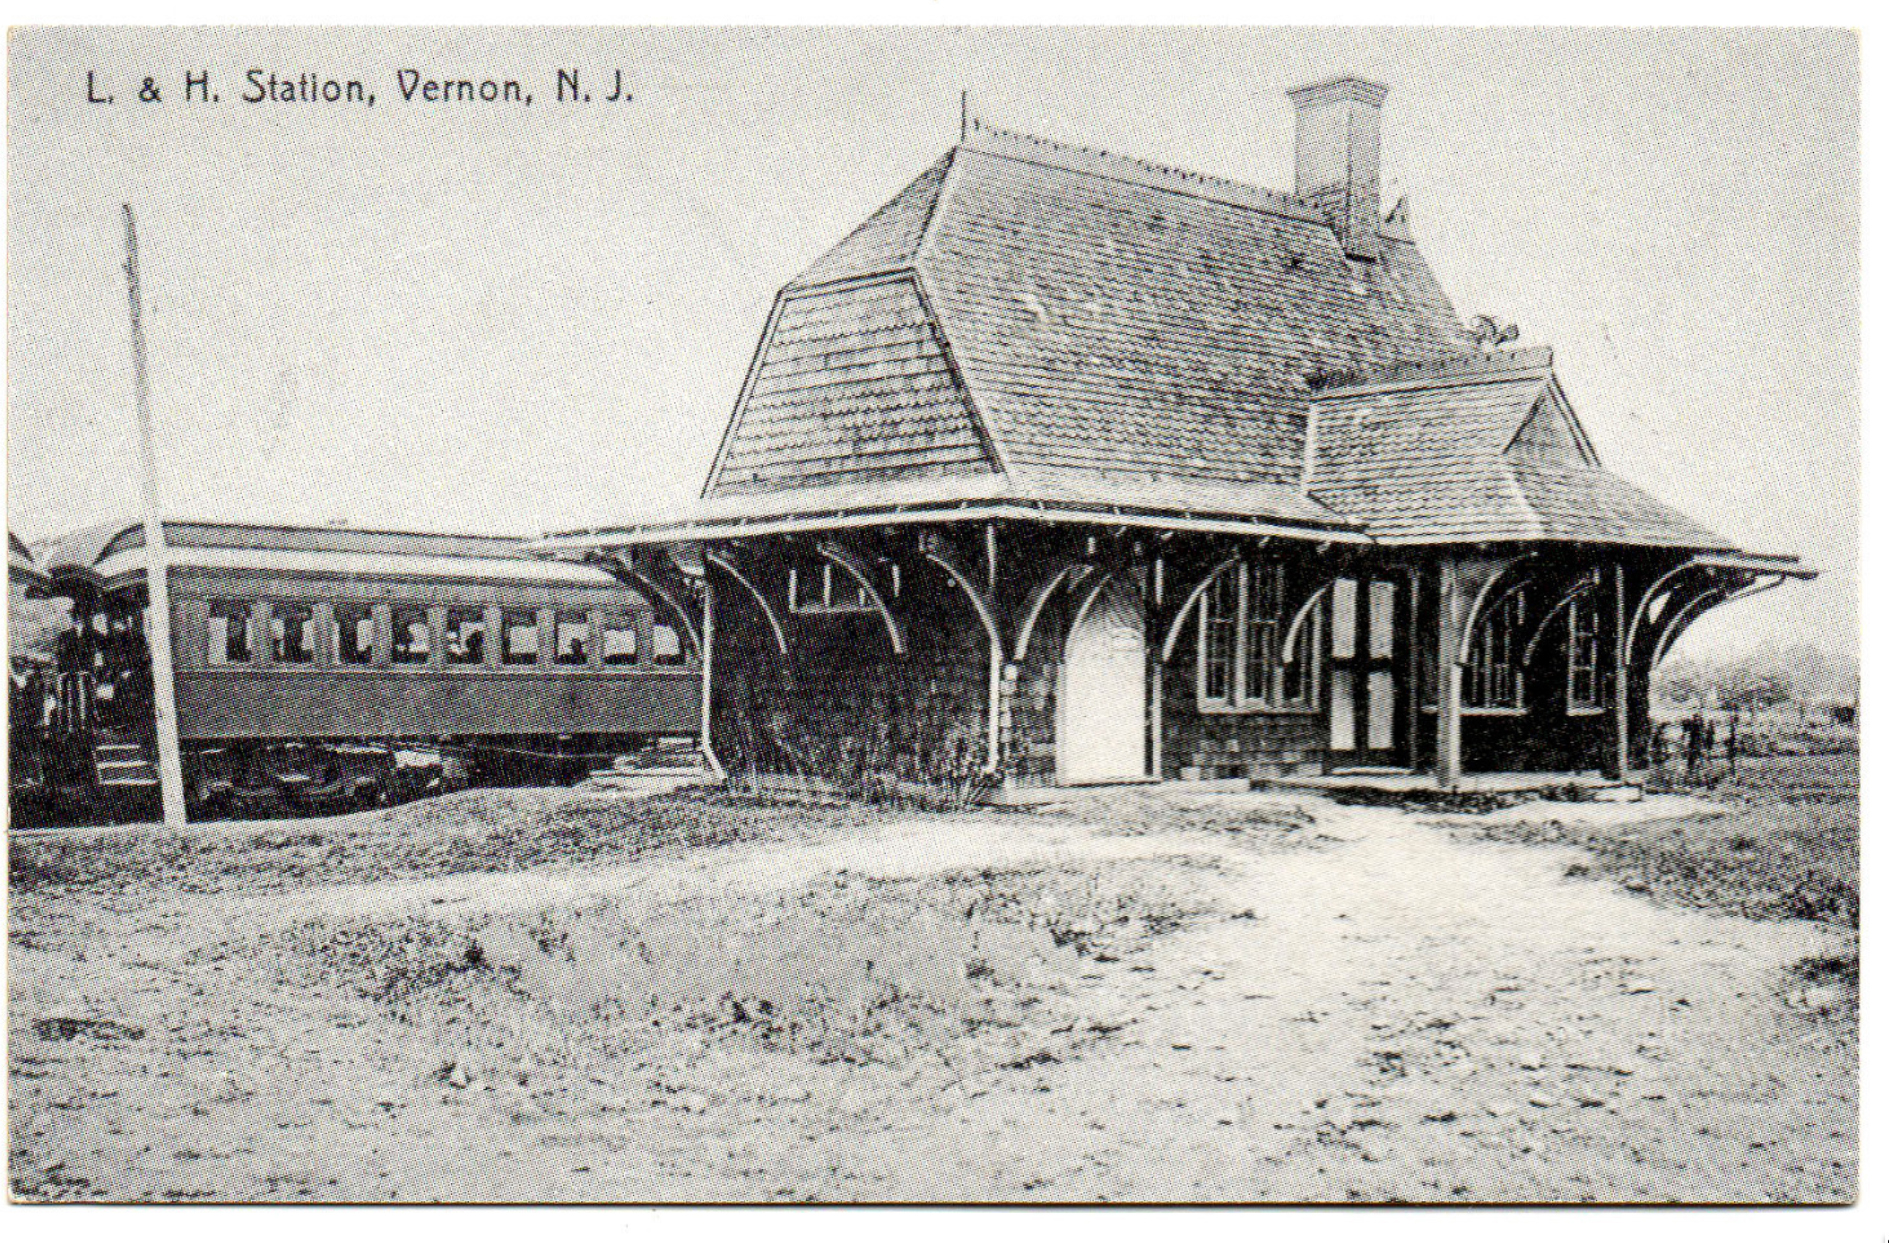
1493,676
292,634
619,639
1583,653
354,634
1266,621
465,636
573,637
232,637
521,637
1252,657
1219,621
413,636
665,645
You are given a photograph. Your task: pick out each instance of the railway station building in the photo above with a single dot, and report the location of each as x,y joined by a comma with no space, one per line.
1067,468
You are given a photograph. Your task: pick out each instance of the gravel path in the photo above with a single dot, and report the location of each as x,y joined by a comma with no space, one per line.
1370,1008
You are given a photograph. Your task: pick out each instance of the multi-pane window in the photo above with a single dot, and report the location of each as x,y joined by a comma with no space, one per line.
413,636
1584,652
665,644
1251,657
573,637
292,634
1219,636
1493,677
354,634
619,639
1265,626
465,636
231,632
521,637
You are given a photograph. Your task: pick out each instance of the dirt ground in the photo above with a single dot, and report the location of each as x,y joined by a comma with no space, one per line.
554,996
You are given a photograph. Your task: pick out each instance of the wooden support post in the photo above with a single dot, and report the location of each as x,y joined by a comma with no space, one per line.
1619,753
999,701
1157,691
1449,672
708,677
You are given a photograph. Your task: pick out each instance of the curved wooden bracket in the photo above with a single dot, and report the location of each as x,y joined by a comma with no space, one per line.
980,600
1187,605
1646,600
1289,644
1498,570
850,561
1070,569
1588,582
1703,603
647,583
1667,630
1089,597
767,610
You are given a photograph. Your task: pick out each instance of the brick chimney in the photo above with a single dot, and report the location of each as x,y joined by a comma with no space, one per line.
1337,157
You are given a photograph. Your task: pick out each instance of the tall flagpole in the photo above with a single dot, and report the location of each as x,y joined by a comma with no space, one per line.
157,625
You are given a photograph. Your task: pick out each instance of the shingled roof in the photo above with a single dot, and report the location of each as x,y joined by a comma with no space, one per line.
1025,306
1034,324
1482,447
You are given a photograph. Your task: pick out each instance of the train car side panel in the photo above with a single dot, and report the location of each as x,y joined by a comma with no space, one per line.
273,704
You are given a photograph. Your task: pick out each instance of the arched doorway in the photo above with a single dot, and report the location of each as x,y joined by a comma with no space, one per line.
1102,721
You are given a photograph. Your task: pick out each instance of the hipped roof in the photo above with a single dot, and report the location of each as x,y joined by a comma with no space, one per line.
1436,453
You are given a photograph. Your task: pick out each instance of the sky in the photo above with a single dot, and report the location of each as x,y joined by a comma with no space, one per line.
510,318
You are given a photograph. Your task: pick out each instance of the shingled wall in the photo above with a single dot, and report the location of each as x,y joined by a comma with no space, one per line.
1199,746
843,707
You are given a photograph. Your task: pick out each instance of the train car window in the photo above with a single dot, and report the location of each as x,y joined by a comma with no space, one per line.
665,644
292,634
232,641
573,637
521,636
413,636
619,639
465,636
354,634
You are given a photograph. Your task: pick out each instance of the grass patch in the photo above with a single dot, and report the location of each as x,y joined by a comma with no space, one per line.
962,972
1448,802
475,831
1133,813
1788,849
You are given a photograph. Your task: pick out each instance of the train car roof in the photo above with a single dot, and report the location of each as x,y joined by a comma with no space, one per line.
112,555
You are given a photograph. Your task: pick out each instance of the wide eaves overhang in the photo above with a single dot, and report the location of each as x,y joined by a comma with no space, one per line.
1209,506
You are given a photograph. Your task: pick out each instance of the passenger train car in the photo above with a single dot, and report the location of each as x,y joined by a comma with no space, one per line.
315,666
